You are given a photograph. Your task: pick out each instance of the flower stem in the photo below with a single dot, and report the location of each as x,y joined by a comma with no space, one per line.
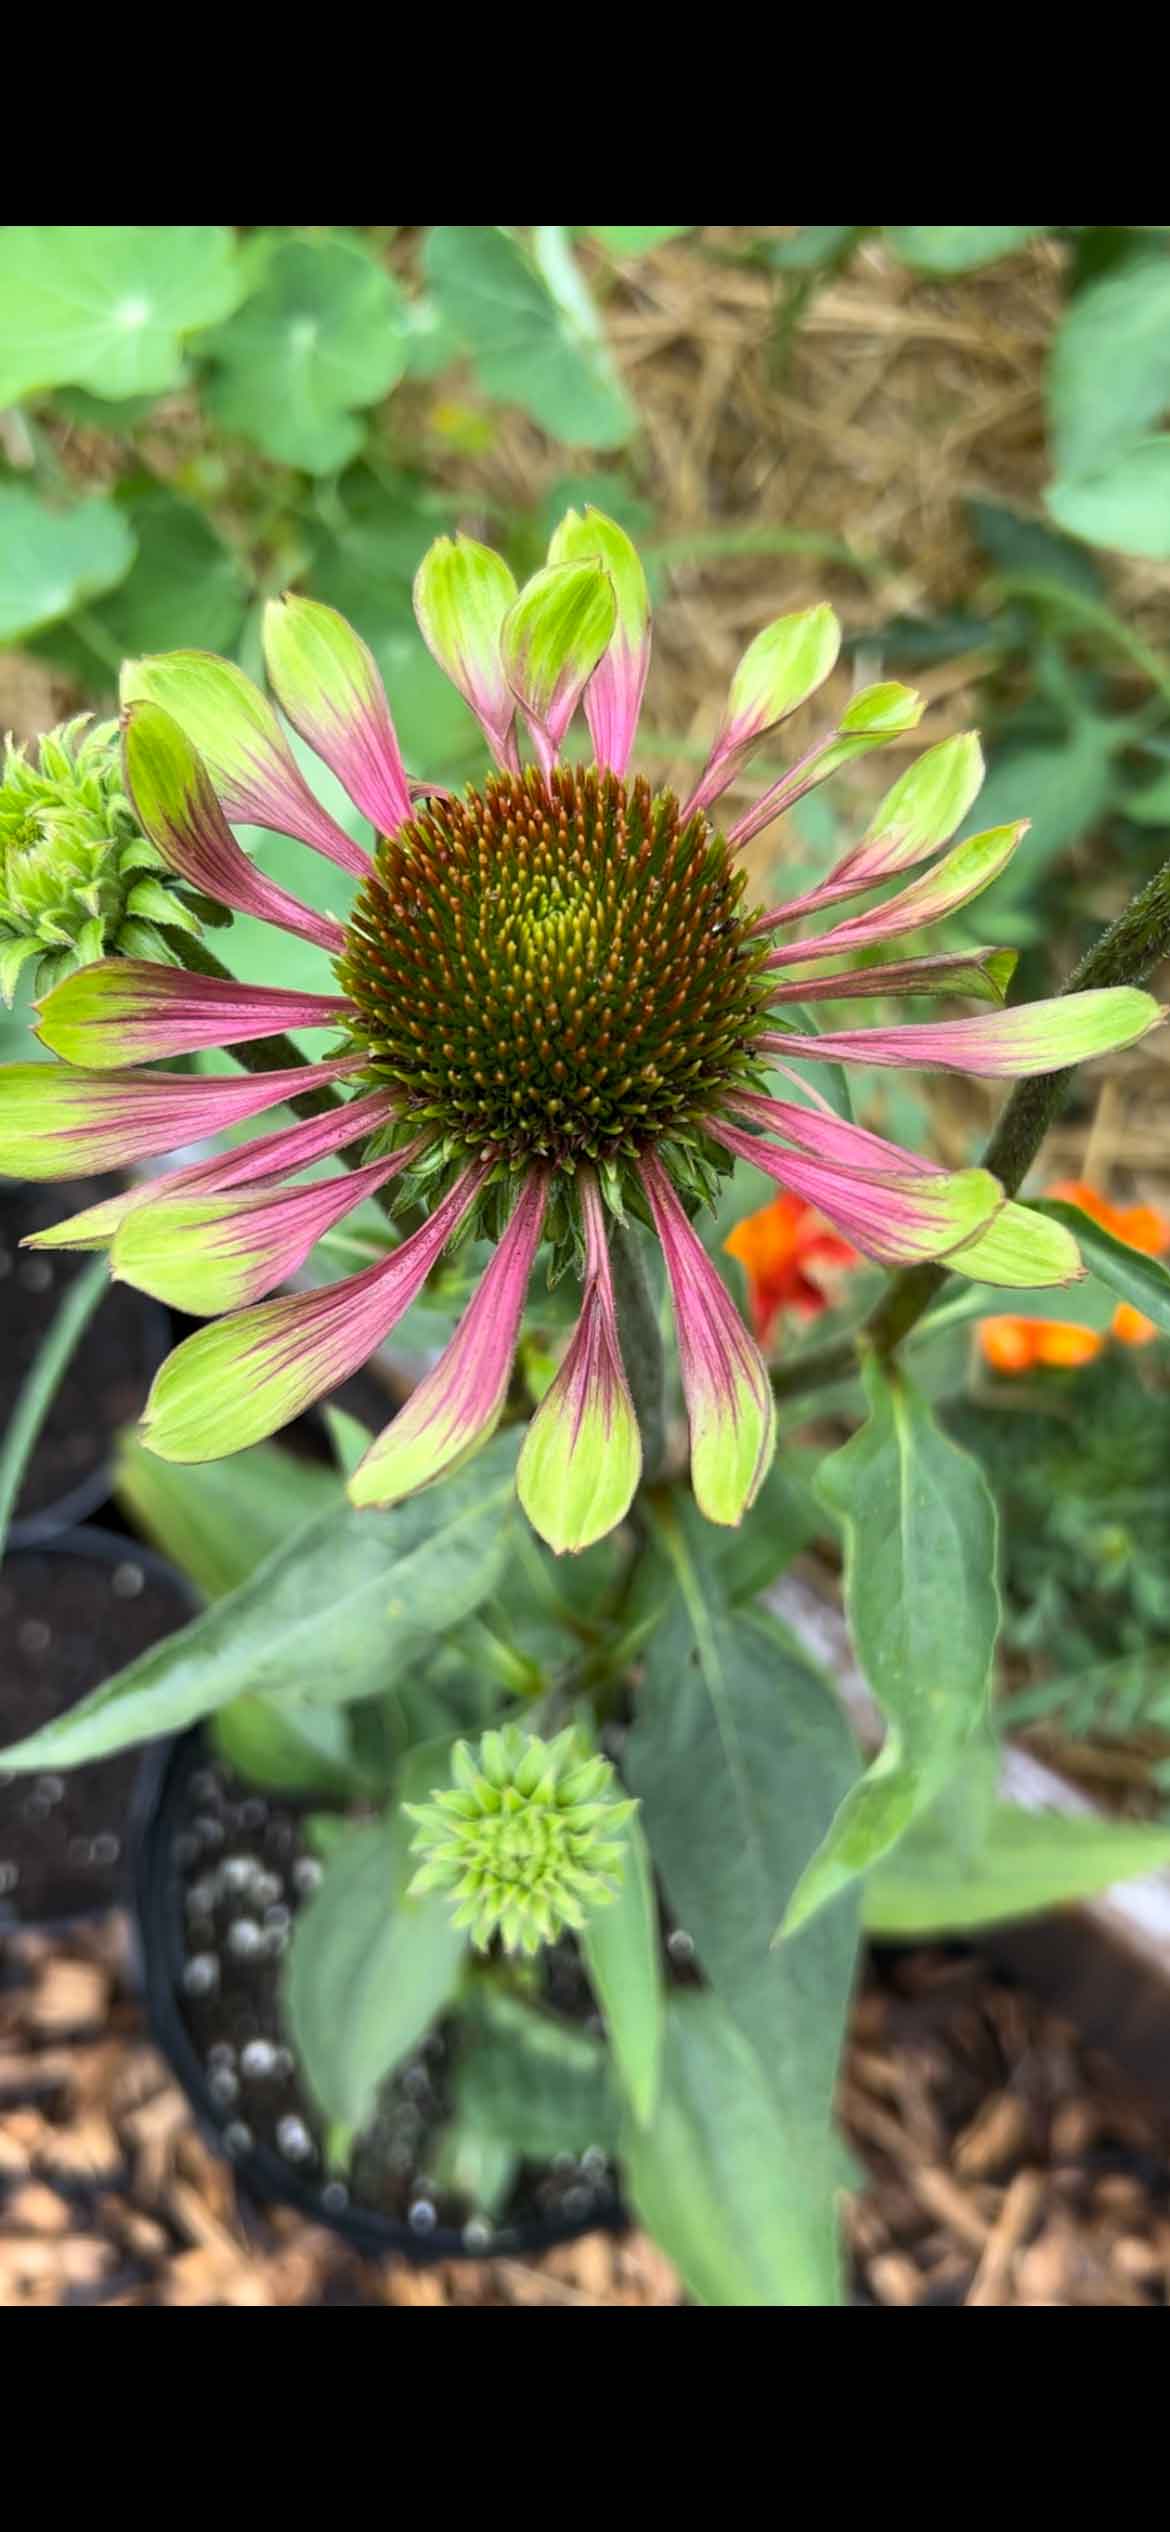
641,1345
1125,955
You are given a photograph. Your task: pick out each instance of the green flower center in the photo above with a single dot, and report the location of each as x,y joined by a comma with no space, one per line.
556,967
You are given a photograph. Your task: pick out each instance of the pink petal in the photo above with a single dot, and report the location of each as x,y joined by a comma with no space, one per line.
725,1380
57,1122
178,810
897,1220
207,1253
132,1011
327,681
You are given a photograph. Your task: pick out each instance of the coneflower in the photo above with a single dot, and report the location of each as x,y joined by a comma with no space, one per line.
552,1005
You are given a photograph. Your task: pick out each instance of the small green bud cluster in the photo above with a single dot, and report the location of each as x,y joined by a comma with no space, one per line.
78,879
527,1839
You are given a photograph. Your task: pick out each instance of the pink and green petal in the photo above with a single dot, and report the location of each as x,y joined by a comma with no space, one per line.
923,810
267,1156
826,1136
236,732
208,1253
1021,1249
462,594
898,1220
725,1380
56,1122
1034,1037
582,1454
326,681
613,696
778,672
551,641
961,875
982,974
171,790
131,1011
242,1378
875,717
459,1403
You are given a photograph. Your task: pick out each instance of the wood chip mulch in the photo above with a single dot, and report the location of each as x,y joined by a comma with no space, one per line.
1008,2164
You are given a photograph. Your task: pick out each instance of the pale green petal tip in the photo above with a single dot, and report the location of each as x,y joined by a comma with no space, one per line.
555,633
576,1484
731,1457
590,536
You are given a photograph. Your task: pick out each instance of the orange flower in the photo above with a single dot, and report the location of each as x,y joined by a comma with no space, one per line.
1016,1345
777,1247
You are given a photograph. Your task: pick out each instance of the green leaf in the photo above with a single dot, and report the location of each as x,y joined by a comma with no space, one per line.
957,250
784,1517
368,1969
1131,1277
350,1438
711,2179
1125,504
301,1750
185,588
107,308
1028,1861
1020,545
331,1616
621,1947
1110,372
538,2084
51,561
923,1608
324,332
811,250
741,1755
1062,789
219,1519
636,241
534,333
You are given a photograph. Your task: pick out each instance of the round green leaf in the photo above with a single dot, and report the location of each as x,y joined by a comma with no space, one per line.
956,250
106,308
635,241
325,332
1126,505
534,344
185,588
1110,377
53,560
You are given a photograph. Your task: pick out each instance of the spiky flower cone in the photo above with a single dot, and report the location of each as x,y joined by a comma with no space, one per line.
528,1839
79,880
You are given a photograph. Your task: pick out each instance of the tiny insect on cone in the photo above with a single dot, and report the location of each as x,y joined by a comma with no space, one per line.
546,1003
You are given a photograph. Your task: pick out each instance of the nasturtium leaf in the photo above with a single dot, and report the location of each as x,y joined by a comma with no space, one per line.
923,1606
1110,371
1124,504
323,333
185,588
712,2177
1027,1861
335,1614
636,241
956,250
1130,1276
108,308
535,345
219,1519
1023,548
52,561
621,1945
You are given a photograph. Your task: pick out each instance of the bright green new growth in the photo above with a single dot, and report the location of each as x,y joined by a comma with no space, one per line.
78,879
527,1839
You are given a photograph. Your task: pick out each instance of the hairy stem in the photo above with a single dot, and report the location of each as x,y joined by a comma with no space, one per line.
1126,954
641,1345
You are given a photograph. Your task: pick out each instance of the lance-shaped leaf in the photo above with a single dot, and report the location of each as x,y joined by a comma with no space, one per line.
961,875
875,717
462,593
923,1606
336,1614
552,639
243,1377
1026,1863
130,1011
778,672
725,1380
1141,1281
983,974
327,681
267,1156
613,696
1034,1037
460,1401
235,731
56,1122
582,1455
204,1254
622,1950
169,785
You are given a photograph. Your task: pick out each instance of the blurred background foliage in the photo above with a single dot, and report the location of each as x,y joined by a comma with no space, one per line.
956,434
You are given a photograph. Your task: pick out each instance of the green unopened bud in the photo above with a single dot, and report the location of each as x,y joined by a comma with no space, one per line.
78,879
528,1839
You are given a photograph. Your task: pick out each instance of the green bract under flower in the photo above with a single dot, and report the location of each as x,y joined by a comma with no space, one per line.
528,1840
78,878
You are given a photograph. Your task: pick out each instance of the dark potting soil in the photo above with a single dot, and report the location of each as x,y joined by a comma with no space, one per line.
69,1620
106,1381
245,1867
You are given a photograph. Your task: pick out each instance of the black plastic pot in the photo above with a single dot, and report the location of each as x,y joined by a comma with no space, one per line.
157,1823
104,1385
73,1610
